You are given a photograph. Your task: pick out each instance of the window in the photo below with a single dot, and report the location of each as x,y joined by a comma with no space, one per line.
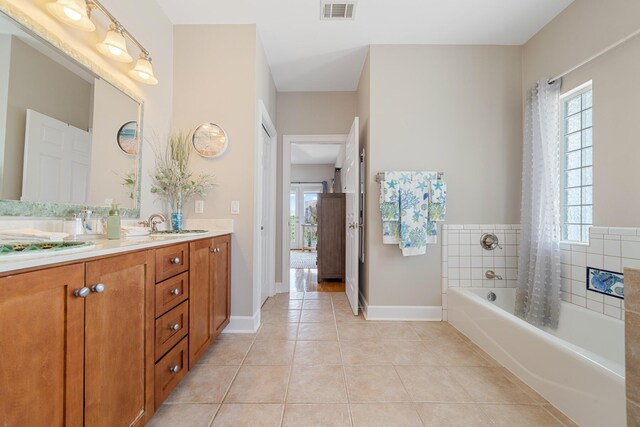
576,163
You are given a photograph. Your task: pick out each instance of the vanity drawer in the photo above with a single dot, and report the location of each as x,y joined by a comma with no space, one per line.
171,328
171,261
171,292
170,370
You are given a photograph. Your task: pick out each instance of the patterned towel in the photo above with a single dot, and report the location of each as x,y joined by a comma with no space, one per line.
390,206
438,201
414,213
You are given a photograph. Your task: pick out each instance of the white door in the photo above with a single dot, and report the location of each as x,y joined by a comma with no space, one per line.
57,161
267,253
351,187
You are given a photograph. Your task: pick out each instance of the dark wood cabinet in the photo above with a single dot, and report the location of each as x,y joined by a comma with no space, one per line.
331,236
221,273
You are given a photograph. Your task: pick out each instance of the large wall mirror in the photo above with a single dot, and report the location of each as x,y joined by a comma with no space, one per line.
60,127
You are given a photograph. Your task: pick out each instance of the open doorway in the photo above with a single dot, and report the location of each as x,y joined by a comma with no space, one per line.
313,213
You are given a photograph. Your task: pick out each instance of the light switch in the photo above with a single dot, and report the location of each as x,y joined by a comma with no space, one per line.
235,207
199,206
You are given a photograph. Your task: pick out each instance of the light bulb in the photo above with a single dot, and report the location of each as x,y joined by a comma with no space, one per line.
72,14
115,50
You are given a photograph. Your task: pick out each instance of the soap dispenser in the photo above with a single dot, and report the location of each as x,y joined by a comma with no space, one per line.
113,223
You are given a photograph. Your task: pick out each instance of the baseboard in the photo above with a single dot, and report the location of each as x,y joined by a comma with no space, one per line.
402,312
281,288
243,324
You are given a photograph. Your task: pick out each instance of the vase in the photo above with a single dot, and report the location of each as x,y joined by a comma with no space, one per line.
176,220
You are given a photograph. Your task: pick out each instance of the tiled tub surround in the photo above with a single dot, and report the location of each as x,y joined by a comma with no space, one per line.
464,261
610,248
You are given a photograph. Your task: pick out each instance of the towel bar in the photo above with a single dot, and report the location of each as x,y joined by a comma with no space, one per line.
380,176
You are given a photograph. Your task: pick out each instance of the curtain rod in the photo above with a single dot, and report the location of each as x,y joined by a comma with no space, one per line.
597,55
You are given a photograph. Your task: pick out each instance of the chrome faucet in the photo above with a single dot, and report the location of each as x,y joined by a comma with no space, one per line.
152,223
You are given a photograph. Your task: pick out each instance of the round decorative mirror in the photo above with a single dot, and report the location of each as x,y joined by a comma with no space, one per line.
210,140
128,138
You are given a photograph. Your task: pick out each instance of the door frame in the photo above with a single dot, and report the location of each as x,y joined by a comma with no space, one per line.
264,120
287,140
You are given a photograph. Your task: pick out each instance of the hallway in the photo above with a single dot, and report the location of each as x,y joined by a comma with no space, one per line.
312,363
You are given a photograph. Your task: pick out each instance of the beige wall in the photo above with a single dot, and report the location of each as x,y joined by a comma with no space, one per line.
221,84
312,173
364,112
583,29
38,83
455,109
109,163
148,23
308,113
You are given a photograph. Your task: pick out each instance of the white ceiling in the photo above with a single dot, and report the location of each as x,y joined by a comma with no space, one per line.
307,54
315,154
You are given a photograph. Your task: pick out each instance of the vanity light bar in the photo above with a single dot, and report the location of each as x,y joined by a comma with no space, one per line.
77,13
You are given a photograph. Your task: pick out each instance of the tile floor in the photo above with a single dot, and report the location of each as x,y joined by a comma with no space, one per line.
313,363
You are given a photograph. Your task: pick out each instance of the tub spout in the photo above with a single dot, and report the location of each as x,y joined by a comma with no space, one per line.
490,274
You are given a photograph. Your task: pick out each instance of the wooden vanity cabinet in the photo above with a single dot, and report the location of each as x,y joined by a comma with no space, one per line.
209,288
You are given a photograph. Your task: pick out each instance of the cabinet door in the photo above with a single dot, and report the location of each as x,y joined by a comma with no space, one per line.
200,299
221,283
119,329
41,347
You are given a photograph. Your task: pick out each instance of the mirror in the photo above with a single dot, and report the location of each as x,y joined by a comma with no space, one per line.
68,138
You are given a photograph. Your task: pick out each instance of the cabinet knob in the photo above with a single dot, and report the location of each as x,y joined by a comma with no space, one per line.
175,260
175,291
98,288
175,369
82,292
175,327
215,250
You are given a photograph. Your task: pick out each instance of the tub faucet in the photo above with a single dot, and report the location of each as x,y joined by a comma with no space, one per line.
152,223
490,274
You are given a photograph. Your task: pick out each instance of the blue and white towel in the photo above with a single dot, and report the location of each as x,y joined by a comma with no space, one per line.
414,214
390,206
438,202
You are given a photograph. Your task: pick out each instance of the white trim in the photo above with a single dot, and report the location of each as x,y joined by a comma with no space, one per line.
263,119
582,88
403,312
287,140
243,324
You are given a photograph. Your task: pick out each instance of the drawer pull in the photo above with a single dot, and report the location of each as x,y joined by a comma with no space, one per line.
174,369
82,292
175,327
215,250
175,291
175,260
98,288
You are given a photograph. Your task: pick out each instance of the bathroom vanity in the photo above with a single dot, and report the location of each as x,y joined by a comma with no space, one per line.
102,337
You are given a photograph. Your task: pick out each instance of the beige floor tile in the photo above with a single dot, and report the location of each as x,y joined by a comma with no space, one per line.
452,415
520,415
410,353
291,304
317,384
317,295
559,415
431,384
364,353
289,295
317,353
184,415
204,384
357,331
375,384
281,316
346,315
456,353
236,337
254,415
270,352
316,415
317,316
489,385
317,304
385,415
528,390
225,352
277,331
259,384
395,331
437,331
317,332
268,304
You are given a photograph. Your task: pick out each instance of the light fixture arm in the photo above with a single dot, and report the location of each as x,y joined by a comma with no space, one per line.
95,4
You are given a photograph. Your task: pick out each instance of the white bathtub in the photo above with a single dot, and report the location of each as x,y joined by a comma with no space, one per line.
579,368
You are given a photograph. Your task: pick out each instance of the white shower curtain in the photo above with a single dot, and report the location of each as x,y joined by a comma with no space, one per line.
538,293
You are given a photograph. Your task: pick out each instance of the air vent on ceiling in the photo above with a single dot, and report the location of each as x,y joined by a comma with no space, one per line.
338,11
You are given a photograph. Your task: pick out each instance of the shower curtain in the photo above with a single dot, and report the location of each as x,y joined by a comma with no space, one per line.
538,292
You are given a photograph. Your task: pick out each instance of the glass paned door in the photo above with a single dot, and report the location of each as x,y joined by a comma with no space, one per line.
303,215
293,219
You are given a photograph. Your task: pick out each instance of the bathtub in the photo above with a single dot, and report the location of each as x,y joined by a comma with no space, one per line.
579,368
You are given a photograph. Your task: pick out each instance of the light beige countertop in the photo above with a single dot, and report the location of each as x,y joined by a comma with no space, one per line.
100,247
